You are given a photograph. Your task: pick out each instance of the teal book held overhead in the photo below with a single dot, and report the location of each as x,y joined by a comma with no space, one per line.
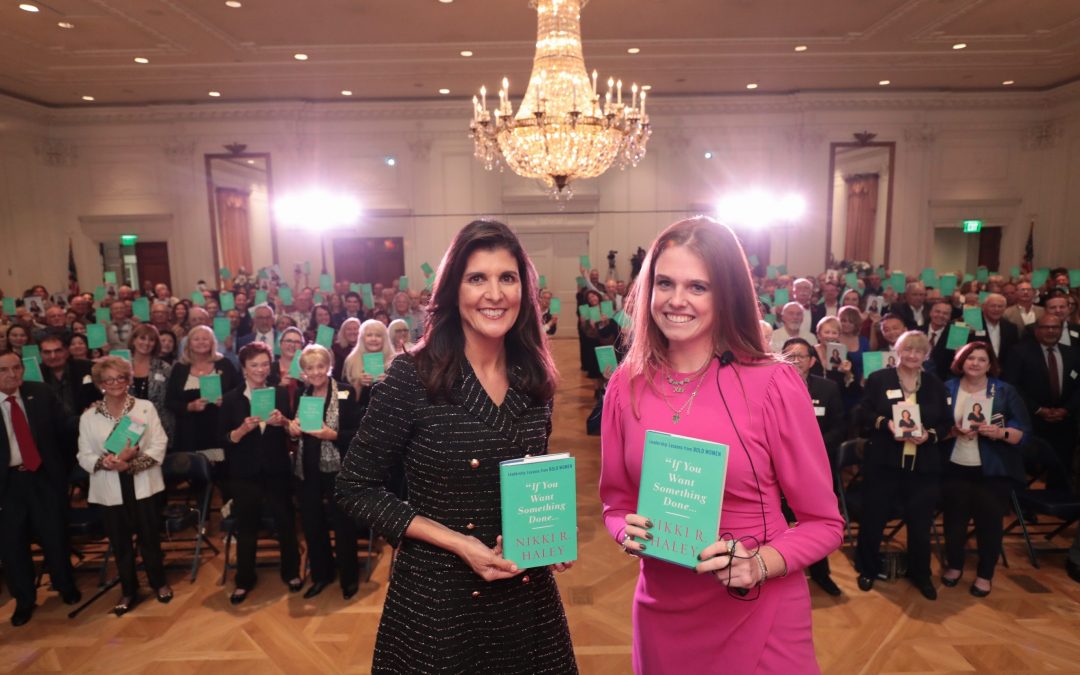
681,492
539,509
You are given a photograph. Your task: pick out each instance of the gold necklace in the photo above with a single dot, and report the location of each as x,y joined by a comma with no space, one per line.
677,413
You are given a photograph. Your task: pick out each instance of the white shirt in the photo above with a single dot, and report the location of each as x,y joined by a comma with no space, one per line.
16,456
1028,316
918,314
94,429
1065,338
265,338
966,451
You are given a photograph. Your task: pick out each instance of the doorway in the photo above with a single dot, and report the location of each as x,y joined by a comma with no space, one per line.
152,264
557,257
369,260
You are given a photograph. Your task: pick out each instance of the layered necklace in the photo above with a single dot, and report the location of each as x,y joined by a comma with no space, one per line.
678,386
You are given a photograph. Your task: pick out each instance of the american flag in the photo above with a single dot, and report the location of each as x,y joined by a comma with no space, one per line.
73,274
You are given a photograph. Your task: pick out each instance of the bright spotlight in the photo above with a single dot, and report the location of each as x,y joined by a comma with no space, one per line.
317,210
757,209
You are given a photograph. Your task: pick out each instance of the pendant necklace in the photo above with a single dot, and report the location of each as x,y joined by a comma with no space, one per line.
679,386
677,413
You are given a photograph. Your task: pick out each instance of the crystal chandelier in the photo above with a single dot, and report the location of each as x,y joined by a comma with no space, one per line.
561,131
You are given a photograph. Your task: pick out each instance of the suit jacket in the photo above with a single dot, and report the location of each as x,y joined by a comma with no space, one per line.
258,453
46,419
829,408
939,360
1012,315
1027,371
1009,336
998,457
876,410
250,337
817,313
904,311
349,414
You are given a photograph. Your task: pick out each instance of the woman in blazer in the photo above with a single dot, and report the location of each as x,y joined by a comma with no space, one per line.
196,417
258,467
317,465
908,470
984,464
126,483
476,391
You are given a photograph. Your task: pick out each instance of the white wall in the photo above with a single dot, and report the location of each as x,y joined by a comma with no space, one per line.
92,174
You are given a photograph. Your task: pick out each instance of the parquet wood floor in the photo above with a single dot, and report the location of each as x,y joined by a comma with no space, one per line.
1030,624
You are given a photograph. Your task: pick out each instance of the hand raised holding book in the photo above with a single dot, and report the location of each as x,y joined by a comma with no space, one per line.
488,563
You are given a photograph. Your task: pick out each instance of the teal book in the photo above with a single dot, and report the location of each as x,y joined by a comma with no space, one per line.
594,314
556,306
539,509
367,295
782,297
585,262
310,413
95,335
103,315
122,353
197,298
403,283
126,430
262,402
222,328
32,370
261,297
228,301
326,283
286,296
948,284
325,337
682,493
873,362
294,367
543,281
427,269
31,352
210,387
607,308
958,335
9,306
110,277
140,308
973,317
605,358
374,363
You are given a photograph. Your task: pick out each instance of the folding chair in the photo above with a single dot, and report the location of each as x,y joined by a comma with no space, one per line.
188,489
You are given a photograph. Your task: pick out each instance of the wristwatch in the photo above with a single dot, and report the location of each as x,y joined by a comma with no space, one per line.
1006,436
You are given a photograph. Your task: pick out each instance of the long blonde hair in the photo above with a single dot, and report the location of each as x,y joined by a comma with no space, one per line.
185,356
353,367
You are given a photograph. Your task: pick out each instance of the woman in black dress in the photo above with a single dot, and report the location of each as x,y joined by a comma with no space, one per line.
258,467
196,417
317,465
475,392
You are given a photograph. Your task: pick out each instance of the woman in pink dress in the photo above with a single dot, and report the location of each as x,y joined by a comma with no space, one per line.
697,367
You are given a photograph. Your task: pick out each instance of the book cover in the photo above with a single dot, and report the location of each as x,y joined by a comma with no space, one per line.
325,337
32,370
835,355
594,314
976,413
374,363
682,493
126,430
210,387
310,413
556,306
539,509
958,335
605,358
262,402
607,308
294,366
872,362
122,353
907,422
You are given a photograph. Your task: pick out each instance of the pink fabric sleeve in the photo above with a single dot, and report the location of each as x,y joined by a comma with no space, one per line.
618,492
802,470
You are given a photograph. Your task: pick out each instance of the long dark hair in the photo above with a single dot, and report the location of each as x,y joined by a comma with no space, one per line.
441,352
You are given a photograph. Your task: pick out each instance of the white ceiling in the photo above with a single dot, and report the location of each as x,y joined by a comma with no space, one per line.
407,49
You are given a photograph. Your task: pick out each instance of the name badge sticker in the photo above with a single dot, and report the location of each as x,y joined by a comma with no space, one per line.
980,333
948,400
159,377
819,410
342,395
894,393
1072,374
1074,334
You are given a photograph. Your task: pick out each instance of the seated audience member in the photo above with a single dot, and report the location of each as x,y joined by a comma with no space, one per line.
346,339
903,471
803,294
352,308
320,316
197,417
161,316
246,325
55,324
840,371
33,489
791,325
399,333
168,346
118,330
829,408
263,330
78,348
912,311
402,309
181,317
1057,304
18,336
939,361
301,311
983,464
374,339
1040,370
550,321
163,294
3,338
125,483
999,334
887,332
258,467
1025,312
850,336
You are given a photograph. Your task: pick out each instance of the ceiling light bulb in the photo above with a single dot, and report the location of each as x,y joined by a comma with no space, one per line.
300,57
215,94
466,52
883,83
1008,82
390,161
800,48
65,24
752,85
646,87
633,50
960,45
141,59
88,98
446,2
708,155
346,92
235,4
27,7
444,91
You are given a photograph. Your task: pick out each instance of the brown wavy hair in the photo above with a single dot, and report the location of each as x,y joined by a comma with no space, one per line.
440,354
735,312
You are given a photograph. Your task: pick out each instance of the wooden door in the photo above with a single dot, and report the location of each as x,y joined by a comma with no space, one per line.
990,248
152,259
361,260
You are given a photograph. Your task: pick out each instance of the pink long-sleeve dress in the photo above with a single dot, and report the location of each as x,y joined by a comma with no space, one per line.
689,623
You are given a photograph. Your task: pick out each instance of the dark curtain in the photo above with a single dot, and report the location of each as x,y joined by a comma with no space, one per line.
232,208
862,202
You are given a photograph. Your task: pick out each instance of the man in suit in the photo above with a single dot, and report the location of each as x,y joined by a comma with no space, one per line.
32,494
263,329
912,311
72,386
1057,304
1045,374
829,408
1025,312
803,291
1001,335
940,358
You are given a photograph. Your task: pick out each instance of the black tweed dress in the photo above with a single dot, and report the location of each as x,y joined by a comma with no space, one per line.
440,616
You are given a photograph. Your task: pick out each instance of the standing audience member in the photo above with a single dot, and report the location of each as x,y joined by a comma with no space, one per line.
346,339
197,417
912,311
1025,312
33,482
1001,335
1057,304
399,332
939,361
150,374
126,483
984,464
118,330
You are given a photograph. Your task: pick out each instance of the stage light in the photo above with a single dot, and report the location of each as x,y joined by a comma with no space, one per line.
757,208
317,209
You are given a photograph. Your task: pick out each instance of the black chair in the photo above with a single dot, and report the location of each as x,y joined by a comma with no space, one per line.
847,455
1063,506
188,489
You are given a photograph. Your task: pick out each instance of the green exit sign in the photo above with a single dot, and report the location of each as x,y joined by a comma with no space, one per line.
972,226
128,239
